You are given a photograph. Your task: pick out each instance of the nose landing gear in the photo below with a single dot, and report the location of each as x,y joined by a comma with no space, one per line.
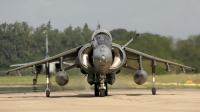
101,89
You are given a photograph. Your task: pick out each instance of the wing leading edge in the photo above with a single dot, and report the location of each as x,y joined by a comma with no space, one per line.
134,54
67,55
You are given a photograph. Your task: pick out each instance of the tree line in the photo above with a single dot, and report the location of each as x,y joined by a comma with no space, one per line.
22,43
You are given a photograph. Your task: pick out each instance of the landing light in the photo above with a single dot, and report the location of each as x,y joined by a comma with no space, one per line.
103,57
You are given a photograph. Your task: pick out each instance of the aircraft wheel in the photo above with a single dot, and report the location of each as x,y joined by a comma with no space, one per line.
47,93
106,91
34,81
102,92
96,90
153,91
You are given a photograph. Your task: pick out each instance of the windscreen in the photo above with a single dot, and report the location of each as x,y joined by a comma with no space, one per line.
102,39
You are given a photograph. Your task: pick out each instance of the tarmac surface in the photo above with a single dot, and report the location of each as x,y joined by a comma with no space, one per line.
136,100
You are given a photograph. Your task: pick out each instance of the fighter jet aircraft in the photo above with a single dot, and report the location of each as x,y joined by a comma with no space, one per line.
101,60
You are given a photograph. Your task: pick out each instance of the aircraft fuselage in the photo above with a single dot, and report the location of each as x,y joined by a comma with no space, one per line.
102,59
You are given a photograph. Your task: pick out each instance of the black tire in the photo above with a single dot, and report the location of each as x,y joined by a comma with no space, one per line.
47,93
153,91
96,90
102,92
106,91
34,81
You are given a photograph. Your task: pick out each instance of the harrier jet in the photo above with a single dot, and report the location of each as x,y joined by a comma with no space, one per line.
100,60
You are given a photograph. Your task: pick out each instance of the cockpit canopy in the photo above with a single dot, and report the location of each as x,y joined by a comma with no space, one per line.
101,37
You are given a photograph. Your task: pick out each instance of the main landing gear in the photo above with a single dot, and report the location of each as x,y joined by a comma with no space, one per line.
102,88
96,89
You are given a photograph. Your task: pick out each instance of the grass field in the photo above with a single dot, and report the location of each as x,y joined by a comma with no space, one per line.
122,81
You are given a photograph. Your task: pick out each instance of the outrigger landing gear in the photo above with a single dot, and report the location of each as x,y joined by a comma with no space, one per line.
35,82
47,92
153,65
47,76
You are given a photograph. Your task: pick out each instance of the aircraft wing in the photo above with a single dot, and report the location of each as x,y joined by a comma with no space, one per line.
18,65
67,55
134,54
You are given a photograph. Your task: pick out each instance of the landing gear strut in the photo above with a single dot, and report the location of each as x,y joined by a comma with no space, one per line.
153,65
47,76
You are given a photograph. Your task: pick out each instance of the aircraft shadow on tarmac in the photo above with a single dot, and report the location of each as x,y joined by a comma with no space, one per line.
81,96
92,96
77,96
148,94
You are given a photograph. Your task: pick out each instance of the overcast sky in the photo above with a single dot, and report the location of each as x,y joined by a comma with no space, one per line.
177,18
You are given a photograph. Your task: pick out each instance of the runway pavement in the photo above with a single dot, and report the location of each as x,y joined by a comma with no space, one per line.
136,100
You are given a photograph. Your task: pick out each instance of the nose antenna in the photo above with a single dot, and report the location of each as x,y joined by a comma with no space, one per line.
98,26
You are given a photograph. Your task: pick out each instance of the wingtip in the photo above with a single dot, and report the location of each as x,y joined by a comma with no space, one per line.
7,73
193,69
